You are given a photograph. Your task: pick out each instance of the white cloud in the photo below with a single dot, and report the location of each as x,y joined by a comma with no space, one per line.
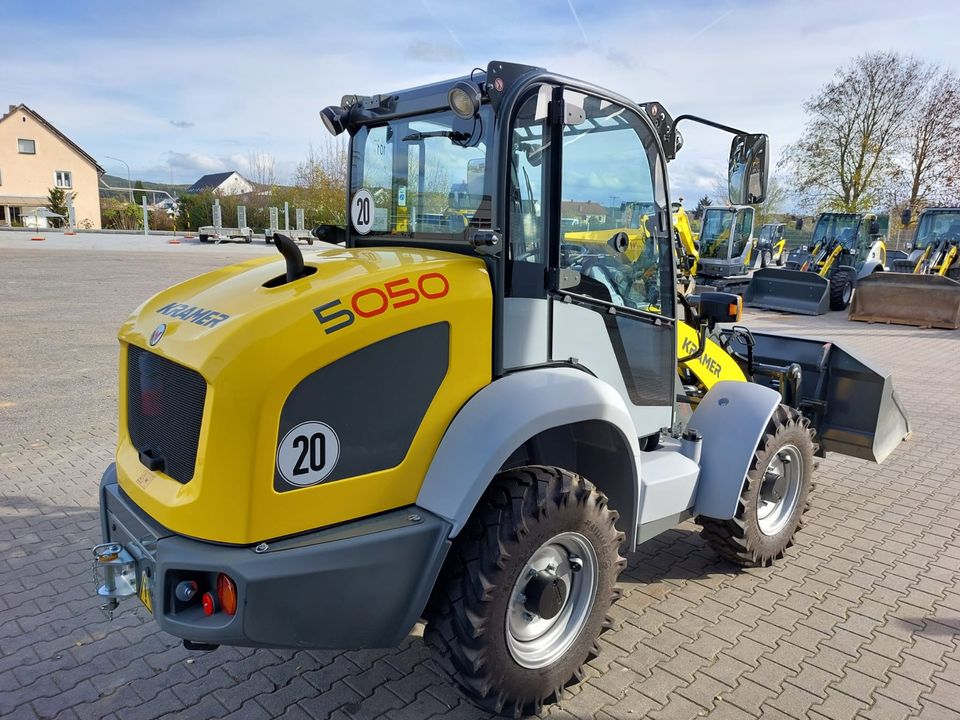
247,84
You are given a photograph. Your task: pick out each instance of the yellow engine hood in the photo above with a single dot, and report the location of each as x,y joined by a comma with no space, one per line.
254,343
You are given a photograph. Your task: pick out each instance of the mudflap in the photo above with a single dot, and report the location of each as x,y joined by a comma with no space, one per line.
927,301
793,291
850,402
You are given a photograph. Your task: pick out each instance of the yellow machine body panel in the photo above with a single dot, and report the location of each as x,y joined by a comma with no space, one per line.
714,365
636,238
253,344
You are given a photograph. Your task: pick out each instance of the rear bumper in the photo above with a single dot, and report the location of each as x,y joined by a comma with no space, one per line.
361,584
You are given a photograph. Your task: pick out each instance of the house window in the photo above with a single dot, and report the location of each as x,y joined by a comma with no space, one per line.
64,179
26,147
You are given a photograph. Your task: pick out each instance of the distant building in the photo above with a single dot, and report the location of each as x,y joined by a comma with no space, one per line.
225,183
34,157
582,213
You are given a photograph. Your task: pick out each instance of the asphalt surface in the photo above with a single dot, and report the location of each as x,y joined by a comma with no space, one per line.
861,619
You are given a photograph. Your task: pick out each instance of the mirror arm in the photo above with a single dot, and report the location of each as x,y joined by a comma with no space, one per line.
710,123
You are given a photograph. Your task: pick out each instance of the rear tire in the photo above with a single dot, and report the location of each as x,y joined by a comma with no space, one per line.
774,497
204,238
479,626
841,290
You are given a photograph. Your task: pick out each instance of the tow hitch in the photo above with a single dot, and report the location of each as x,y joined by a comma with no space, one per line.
114,575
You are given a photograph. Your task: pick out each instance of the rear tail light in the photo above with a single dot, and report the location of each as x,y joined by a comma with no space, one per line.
209,603
227,594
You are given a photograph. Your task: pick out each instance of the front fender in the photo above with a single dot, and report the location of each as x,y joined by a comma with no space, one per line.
868,268
731,417
504,415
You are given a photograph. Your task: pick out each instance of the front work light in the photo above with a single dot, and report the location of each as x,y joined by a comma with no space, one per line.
333,119
464,99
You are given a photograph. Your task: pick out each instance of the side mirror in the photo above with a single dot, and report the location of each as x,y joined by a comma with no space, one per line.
906,216
748,169
799,224
874,227
330,234
909,246
720,307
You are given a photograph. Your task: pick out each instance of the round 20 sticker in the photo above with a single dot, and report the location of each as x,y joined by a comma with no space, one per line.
362,211
308,453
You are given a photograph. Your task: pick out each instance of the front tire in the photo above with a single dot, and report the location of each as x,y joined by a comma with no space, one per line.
841,290
525,590
774,497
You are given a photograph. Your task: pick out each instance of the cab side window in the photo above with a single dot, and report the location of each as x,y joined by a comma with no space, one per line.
741,233
609,208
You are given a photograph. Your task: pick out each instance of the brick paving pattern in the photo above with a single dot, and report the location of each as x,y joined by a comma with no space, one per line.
860,620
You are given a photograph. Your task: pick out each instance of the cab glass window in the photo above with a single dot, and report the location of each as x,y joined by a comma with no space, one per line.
609,208
742,231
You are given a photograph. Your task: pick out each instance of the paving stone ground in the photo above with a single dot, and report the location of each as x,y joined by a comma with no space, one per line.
861,619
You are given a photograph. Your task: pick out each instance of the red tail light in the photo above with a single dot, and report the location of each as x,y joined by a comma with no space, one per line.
227,594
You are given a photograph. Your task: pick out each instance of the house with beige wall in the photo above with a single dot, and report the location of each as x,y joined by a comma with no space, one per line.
34,157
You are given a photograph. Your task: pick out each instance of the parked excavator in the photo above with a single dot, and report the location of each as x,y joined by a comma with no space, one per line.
846,248
728,249
924,288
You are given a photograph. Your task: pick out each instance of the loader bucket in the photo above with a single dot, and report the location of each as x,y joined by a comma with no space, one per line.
850,402
795,291
922,300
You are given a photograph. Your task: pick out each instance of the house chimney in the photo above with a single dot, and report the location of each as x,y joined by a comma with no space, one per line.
11,109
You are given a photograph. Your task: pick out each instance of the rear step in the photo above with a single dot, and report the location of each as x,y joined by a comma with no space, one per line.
926,301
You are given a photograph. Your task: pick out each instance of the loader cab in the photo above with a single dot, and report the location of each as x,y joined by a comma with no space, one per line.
726,241
936,226
560,187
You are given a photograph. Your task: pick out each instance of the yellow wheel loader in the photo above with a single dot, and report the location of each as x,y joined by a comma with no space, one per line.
443,420
772,245
728,249
923,289
846,248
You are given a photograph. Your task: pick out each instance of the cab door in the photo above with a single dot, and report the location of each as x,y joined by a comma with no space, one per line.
610,260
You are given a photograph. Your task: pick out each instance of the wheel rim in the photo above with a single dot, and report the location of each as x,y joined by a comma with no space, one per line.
847,292
780,490
534,641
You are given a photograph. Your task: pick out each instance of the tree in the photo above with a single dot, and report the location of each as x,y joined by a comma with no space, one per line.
773,203
702,204
856,123
138,196
57,202
933,140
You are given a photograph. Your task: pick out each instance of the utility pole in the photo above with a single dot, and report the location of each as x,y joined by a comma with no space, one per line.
129,184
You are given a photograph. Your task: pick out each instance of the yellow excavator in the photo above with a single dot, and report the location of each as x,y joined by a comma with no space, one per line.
923,289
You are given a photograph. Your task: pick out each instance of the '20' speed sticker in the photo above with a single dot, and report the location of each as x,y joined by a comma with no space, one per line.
362,211
308,453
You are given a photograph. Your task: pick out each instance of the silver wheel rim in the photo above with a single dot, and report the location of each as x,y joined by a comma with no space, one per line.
847,293
779,490
533,641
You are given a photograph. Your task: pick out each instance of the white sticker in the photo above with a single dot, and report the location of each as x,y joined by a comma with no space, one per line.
402,196
308,453
362,211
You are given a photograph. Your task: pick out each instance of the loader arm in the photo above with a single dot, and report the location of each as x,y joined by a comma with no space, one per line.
923,259
832,258
948,259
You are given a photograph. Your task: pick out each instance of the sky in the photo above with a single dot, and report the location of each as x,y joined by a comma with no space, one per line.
186,87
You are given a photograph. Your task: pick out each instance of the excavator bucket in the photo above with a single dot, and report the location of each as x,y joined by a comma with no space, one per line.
850,402
927,301
794,291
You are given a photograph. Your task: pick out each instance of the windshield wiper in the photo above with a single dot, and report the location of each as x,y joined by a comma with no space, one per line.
454,135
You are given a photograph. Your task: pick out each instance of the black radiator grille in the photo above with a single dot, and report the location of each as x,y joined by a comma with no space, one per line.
164,412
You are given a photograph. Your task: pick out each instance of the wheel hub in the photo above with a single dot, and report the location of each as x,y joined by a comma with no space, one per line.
551,600
780,490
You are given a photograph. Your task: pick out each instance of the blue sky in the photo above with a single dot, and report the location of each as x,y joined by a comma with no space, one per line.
184,88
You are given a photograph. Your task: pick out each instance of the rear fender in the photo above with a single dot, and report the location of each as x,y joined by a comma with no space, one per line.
731,417
506,414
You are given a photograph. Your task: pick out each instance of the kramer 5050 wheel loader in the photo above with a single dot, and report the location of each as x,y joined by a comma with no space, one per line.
924,288
443,419
847,247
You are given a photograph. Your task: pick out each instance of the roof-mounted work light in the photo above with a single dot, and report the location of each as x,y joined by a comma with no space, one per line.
334,119
464,99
